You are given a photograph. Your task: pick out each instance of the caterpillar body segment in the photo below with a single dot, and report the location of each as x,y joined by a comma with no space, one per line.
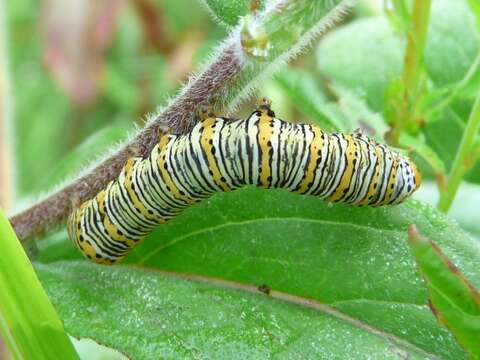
221,154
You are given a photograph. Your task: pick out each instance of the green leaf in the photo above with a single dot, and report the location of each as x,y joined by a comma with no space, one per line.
453,41
354,113
472,87
444,135
346,113
37,138
401,10
228,12
454,300
308,97
363,56
475,6
151,315
120,87
28,322
366,57
355,259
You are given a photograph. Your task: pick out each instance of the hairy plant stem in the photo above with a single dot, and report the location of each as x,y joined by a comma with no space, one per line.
463,159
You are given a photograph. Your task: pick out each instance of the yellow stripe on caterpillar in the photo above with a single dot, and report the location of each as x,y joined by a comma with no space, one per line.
222,154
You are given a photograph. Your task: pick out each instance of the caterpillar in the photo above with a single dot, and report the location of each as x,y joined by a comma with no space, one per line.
222,154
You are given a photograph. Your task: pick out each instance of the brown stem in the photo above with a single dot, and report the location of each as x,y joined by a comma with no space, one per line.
177,116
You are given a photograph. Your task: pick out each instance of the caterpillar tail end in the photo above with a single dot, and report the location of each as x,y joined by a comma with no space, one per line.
74,230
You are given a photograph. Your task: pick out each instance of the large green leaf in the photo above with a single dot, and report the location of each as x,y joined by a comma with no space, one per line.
363,56
354,259
151,315
453,41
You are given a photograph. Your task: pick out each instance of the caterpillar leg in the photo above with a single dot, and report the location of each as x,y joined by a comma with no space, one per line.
164,133
162,130
264,105
205,112
134,151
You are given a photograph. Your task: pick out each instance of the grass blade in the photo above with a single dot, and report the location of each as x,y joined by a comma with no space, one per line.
28,322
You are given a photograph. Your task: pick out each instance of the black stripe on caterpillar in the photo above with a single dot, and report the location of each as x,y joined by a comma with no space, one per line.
221,154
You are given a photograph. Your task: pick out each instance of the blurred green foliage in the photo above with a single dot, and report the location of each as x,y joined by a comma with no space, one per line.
134,81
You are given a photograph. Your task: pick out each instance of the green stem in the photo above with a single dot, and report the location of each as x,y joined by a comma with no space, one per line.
416,43
405,106
463,158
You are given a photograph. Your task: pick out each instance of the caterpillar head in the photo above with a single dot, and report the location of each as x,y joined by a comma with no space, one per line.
411,179
417,175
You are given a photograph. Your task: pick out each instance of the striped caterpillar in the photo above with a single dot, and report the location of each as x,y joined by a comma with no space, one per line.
222,154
